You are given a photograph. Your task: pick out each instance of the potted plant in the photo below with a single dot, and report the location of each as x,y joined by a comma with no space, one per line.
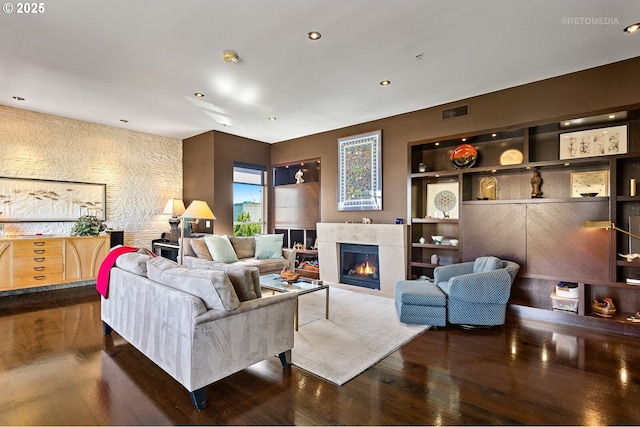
87,225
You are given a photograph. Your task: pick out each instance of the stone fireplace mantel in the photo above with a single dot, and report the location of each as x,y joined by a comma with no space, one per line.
392,248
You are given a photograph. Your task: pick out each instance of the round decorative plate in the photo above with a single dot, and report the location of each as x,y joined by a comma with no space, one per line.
464,156
445,200
511,157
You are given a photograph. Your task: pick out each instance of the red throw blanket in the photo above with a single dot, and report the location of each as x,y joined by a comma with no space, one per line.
102,282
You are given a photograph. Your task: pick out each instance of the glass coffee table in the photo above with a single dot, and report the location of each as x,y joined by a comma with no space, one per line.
274,282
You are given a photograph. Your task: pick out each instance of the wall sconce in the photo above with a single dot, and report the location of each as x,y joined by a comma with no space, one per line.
197,210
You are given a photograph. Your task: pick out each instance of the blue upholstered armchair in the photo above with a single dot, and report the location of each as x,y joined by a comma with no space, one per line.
477,291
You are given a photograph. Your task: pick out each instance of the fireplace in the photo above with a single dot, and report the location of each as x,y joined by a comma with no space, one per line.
359,265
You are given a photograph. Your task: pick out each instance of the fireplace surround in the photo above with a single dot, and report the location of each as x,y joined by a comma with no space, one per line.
391,239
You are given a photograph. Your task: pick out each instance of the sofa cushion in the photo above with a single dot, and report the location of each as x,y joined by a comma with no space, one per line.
213,287
245,247
134,262
200,248
221,249
486,263
269,246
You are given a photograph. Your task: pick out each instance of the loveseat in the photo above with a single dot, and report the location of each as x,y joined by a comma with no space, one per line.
193,323
264,252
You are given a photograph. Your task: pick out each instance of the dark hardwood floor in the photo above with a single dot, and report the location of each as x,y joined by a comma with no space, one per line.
56,368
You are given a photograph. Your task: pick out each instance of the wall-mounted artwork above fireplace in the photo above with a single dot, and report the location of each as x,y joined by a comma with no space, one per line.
359,172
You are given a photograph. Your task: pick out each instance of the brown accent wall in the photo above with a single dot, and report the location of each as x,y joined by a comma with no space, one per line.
595,90
208,172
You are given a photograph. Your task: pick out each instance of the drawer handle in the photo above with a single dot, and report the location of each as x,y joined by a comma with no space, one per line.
38,251
38,243
39,259
39,277
38,268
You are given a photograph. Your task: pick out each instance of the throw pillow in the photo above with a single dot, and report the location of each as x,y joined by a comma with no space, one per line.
245,247
486,263
220,249
213,287
199,246
269,246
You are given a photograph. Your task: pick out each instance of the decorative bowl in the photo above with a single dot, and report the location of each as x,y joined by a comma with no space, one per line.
454,242
437,239
464,156
588,194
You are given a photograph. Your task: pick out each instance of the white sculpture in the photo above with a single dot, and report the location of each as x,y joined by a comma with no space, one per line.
298,176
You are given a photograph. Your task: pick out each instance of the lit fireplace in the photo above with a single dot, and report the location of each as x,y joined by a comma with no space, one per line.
359,265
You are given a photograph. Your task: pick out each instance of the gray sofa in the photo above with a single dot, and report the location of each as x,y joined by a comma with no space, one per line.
197,255
193,323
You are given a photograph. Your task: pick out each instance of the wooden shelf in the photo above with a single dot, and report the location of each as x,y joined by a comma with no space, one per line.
434,246
434,221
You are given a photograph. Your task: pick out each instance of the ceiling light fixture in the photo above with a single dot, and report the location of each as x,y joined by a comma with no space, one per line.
230,57
385,83
199,95
272,118
18,98
124,121
633,28
314,35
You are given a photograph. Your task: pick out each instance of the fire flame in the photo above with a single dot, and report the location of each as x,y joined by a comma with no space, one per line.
365,269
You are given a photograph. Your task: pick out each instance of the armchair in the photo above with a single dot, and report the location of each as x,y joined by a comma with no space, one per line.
477,291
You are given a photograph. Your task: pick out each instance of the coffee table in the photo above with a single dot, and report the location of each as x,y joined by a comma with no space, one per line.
302,286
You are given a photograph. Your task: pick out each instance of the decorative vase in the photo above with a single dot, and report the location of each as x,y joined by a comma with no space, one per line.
422,167
422,240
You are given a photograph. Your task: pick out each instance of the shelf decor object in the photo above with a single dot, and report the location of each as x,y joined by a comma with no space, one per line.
511,157
594,142
590,184
360,172
442,200
464,156
488,188
29,200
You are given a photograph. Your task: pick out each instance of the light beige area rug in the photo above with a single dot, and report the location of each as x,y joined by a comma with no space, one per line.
361,330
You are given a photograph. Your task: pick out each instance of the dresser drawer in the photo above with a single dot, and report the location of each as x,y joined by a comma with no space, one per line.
37,251
26,263
37,243
35,269
37,279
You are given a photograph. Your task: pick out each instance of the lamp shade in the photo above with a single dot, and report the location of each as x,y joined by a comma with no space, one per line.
198,209
174,207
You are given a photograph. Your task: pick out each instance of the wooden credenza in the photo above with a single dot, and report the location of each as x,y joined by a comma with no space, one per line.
42,261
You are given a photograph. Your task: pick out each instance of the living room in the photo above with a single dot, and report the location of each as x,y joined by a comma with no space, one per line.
142,171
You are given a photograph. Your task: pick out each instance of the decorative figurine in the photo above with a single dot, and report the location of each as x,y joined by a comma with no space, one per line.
298,176
422,167
536,183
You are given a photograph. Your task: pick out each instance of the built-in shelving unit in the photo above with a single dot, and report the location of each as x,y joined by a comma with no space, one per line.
544,235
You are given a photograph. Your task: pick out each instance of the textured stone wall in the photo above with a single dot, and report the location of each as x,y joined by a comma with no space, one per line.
142,171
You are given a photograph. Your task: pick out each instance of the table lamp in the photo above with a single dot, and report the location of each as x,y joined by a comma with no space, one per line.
175,208
197,210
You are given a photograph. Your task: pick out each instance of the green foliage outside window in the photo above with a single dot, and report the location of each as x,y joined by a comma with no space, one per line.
246,230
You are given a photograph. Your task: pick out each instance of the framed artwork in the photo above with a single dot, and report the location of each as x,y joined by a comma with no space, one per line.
443,200
36,200
594,142
359,172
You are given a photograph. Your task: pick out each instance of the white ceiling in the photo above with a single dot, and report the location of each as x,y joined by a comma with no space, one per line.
141,60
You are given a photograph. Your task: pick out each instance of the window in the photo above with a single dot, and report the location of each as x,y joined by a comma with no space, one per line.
248,199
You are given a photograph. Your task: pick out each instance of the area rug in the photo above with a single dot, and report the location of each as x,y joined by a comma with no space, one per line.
361,330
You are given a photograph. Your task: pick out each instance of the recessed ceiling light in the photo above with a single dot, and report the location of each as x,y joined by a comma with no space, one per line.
314,35
464,139
633,28
230,57
124,121
199,95
494,135
18,98
272,118
612,116
385,83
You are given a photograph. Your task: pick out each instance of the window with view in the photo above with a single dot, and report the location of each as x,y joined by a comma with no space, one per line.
248,199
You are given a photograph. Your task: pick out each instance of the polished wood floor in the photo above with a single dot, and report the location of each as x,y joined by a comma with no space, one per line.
56,368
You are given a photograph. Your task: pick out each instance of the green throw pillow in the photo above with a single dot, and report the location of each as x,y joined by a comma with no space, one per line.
269,246
221,249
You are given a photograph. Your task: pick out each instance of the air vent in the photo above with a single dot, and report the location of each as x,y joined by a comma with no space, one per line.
450,113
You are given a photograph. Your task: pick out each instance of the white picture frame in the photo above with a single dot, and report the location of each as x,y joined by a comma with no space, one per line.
593,142
436,192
